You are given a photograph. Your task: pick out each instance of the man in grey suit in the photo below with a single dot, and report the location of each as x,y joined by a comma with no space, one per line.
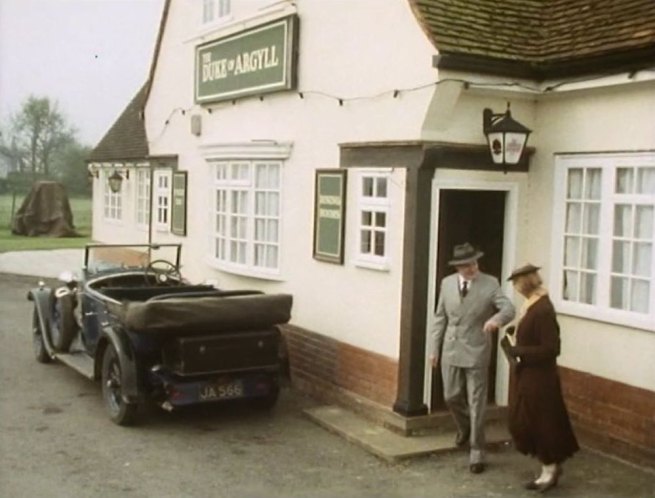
471,306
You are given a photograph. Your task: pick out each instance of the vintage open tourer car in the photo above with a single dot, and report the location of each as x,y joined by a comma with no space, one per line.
148,335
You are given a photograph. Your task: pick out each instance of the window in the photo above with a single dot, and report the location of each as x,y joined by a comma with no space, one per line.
373,220
112,201
605,237
246,215
162,199
142,197
213,10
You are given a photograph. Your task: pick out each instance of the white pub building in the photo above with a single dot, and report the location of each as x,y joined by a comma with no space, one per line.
335,151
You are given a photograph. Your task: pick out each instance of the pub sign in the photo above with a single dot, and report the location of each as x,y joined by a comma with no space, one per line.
256,61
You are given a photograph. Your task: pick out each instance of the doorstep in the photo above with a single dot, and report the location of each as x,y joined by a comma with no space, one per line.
388,444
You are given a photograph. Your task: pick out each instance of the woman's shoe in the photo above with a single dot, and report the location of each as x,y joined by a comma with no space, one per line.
552,482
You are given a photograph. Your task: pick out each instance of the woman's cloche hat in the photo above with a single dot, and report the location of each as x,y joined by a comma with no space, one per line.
464,254
524,270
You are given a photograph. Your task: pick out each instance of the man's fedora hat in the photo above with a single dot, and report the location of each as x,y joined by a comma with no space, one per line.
464,254
524,270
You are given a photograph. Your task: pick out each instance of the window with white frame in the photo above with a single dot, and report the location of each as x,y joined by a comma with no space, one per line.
373,219
246,212
213,10
112,201
142,197
162,199
605,237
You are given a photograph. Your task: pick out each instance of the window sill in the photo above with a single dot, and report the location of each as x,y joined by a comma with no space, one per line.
596,314
244,271
372,265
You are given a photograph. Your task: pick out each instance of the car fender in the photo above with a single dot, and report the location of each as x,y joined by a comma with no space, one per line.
40,296
129,373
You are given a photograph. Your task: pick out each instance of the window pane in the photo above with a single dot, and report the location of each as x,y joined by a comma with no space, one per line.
381,219
591,218
379,243
367,187
260,255
588,288
570,290
367,217
573,217
592,183
271,257
619,293
260,230
620,257
640,296
624,180
382,187
574,187
622,220
572,251
644,222
273,204
366,241
646,181
272,230
261,176
590,254
641,259
260,203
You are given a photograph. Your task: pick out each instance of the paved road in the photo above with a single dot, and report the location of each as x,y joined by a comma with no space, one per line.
55,441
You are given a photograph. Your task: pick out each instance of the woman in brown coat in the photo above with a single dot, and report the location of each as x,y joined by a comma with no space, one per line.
538,419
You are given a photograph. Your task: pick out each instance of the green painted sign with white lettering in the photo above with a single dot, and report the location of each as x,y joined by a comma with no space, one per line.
252,62
329,210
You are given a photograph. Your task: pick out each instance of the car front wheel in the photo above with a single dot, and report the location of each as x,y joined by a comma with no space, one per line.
38,344
120,412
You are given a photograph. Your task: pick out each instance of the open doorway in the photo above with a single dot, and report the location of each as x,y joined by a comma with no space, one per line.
478,217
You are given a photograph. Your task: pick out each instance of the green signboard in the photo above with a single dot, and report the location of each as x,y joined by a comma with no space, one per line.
329,210
178,215
252,62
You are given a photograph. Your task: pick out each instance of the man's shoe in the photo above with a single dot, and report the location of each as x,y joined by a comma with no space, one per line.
477,468
531,485
462,438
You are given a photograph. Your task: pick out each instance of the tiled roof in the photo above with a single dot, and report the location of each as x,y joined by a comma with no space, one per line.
126,139
538,32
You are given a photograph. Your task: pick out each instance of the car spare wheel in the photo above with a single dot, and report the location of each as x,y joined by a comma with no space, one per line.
38,345
63,326
120,412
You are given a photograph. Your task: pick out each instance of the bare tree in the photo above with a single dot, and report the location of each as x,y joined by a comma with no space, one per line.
40,131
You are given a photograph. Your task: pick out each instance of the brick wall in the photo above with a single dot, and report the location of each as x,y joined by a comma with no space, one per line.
613,417
319,364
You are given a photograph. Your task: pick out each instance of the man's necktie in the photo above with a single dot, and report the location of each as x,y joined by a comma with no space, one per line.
465,288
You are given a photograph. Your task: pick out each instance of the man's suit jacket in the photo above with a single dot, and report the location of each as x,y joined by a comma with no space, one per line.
458,322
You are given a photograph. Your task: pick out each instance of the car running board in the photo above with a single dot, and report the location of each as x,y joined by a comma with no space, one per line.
81,362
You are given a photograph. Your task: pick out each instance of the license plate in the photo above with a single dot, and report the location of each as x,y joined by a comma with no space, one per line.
221,391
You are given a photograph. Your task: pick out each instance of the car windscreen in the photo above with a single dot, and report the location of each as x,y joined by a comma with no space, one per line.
105,257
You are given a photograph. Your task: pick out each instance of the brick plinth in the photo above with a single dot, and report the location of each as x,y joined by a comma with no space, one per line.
613,417
319,364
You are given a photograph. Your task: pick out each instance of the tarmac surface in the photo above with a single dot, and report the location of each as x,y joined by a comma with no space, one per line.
433,473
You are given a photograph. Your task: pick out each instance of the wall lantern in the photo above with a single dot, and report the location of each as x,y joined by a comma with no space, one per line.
505,136
115,181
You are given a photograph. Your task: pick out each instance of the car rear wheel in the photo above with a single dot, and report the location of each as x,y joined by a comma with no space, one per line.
63,326
120,412
38,345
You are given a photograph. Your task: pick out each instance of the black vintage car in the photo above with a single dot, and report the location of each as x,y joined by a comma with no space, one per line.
147,334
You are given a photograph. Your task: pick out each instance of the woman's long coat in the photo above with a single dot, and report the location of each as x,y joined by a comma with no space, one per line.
538,420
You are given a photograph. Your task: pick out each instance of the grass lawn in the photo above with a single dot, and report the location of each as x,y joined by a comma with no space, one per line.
81,217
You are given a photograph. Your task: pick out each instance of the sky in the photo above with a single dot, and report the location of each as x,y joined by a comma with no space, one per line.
90,56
